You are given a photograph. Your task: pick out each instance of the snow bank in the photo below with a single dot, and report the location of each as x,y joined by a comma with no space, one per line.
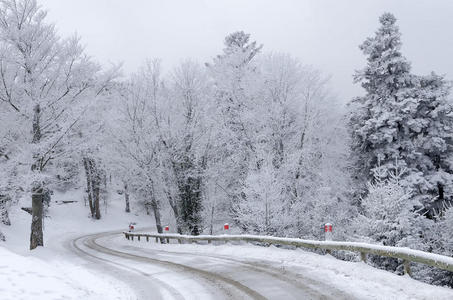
31,278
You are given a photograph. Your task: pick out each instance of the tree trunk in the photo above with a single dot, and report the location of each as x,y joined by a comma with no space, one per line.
157,216
87,165
97,190
37,197
440,188
93,186
4,217
36,236
36,124
211,228
126,197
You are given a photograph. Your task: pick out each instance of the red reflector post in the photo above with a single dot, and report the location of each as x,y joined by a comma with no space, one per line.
328,231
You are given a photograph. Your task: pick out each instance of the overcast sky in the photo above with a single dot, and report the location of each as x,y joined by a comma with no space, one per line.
323,33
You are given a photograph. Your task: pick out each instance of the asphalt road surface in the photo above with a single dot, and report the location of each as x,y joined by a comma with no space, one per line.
157,274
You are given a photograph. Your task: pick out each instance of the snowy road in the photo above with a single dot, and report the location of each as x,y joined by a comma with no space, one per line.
160,274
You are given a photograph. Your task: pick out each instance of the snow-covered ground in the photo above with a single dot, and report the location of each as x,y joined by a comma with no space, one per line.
49,273
32,277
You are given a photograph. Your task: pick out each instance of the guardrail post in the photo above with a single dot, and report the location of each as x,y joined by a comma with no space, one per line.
138,237
132,237
328,234
407,267
363,256
168,241
147,238
157,239
328,231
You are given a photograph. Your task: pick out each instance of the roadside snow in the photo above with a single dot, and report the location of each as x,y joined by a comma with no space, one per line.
31,278
52,272
356,278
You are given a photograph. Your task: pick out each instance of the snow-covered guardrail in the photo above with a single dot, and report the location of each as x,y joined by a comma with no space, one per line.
406,254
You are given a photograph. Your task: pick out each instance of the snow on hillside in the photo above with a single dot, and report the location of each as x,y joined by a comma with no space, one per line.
51,272
69,220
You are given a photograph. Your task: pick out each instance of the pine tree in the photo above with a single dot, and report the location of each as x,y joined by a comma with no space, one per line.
387,215
402,117
377,126
431,126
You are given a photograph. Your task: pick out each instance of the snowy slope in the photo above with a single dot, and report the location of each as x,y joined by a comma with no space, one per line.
51,272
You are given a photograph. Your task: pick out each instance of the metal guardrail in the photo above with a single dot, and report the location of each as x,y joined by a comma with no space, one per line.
406,254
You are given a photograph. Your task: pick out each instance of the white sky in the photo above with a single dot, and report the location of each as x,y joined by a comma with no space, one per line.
323,33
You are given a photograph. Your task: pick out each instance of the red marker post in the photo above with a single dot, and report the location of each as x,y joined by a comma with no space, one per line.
226,227
328,231
167,228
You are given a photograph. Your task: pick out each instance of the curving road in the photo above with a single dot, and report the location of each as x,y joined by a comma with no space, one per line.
157,274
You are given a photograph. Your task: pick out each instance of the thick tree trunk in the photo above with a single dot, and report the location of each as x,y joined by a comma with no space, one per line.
97,190
93,186
126,198
191,205
157,217
37,197
4,217
87,165
36,124
440,188
36,236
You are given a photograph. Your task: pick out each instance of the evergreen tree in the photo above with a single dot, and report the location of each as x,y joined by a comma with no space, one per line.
402,117
387,215
431,125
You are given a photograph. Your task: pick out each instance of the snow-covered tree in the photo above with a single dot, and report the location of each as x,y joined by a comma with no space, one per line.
236,96
136,139
387,214
402,116
185,139
45,81
281,144
431,126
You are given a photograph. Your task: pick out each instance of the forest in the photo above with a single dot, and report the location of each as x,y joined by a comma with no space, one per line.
252,137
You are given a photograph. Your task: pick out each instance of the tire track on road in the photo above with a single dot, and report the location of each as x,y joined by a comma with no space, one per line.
223,283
